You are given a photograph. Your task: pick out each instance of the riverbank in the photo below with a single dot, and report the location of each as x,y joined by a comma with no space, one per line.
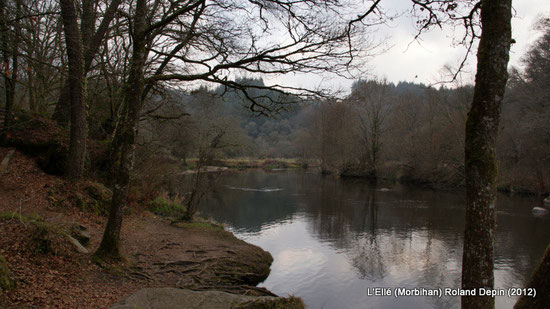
50,271
247,163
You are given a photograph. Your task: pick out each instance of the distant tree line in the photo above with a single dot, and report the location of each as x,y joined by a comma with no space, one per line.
416,132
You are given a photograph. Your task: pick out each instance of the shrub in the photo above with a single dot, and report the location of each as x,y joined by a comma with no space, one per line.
164,207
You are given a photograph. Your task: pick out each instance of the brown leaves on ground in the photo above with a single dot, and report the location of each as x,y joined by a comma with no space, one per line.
197,256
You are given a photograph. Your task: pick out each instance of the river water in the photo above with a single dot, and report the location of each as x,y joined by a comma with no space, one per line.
334,240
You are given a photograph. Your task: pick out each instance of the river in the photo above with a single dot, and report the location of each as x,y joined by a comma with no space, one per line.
335,240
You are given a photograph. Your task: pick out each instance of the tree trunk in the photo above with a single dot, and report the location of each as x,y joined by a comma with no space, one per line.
77,90
480,153
92,41
110,244
540,282
62,111
10,51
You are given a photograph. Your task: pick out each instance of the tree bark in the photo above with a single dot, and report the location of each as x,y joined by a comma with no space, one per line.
110,244
92,41
480,153
76,91
10,51
540,282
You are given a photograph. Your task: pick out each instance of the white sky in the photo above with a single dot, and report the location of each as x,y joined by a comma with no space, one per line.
423,61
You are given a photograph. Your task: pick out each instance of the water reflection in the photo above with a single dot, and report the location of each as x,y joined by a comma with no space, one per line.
333,238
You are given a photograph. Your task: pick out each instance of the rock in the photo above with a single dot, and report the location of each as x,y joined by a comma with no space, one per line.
172,298
384,190
81,234
547,202
77,245
539,211
6,282
5,162
276,302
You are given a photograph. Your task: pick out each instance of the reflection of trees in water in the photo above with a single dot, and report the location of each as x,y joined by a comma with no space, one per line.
407,236
414,259
367,257
250,210
385,241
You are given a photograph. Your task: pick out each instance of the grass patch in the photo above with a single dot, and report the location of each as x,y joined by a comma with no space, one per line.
160,206
8,215
245,163
202,225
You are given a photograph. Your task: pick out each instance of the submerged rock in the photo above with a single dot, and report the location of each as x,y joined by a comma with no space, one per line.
173,298
539,211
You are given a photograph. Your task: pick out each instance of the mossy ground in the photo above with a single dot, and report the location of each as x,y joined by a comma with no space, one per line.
87,196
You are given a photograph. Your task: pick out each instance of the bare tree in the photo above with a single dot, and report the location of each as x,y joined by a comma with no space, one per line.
77,88
372,101
480,150
92,39
10,34
43,53
205,41
82,45
493,19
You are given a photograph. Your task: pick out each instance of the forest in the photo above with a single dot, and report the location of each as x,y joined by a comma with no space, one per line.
104,104
407,132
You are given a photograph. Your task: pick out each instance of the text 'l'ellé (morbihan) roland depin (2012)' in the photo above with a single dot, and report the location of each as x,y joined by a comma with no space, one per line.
440,292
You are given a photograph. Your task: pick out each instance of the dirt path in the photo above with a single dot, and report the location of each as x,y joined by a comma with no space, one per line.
197,255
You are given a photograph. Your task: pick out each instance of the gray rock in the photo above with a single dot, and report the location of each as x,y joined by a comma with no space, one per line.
539,211
81,234
77,245
172,298
547,202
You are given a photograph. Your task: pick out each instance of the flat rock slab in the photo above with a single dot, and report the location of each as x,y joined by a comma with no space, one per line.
173,298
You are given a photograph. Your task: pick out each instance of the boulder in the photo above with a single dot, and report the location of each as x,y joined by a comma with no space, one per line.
6,282
173,298
547,202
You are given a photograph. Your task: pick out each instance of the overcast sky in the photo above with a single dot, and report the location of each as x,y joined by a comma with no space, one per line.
422,61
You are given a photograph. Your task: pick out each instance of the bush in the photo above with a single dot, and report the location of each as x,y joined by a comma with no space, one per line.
162,207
